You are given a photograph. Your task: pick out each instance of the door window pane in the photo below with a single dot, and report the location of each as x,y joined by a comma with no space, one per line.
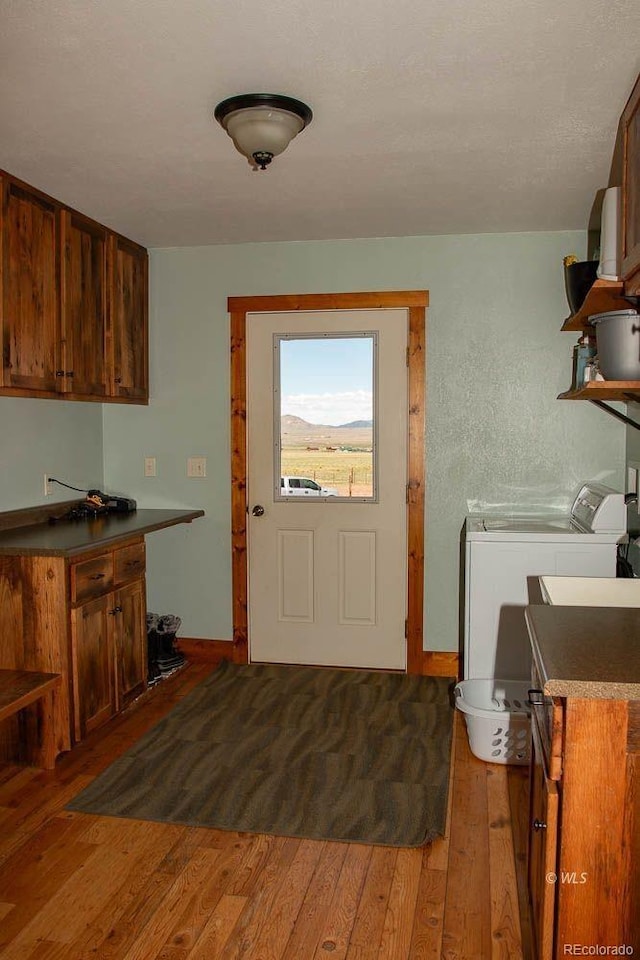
324,391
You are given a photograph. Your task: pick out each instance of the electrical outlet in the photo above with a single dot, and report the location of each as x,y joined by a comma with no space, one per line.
47,486
196,466
149,466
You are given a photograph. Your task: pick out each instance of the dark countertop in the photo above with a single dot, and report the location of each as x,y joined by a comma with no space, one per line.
67,538
588,652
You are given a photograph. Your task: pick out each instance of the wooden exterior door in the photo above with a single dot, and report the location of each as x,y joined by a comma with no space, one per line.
327,574
415,303
31,333
128,319
84,304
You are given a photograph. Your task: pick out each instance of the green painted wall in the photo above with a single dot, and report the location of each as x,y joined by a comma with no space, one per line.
496,360
58,437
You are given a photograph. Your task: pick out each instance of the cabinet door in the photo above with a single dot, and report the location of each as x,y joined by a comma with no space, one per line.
31,336
84,305
128,319
93,664
543,839
631,193
130,642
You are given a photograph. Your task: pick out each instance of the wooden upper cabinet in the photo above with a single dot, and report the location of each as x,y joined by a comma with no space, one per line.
630,233
84,305
128,319
30,302
73,303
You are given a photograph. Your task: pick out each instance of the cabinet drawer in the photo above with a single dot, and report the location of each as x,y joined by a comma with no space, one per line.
129,562
90,578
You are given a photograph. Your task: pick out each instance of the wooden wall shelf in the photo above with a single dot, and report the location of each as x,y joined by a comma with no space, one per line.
622,390
604,295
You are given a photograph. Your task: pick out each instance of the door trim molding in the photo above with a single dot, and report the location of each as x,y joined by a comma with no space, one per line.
415,302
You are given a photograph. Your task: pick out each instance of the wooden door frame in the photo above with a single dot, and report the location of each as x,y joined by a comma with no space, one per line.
415,302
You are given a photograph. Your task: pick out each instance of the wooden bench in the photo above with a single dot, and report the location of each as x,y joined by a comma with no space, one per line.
21,688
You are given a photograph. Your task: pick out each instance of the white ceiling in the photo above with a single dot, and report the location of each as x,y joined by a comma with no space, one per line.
430,116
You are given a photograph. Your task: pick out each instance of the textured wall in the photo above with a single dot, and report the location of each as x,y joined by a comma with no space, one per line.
495,434
57,437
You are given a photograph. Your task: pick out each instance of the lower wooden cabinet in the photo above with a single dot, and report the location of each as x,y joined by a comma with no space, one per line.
92,657
129,631
543,838
584,829
109,656
84,618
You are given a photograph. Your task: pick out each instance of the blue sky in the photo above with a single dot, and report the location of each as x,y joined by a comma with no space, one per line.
327,380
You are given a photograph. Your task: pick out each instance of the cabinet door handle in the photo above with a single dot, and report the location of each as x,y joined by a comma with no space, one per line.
97,576
117,379
115,610
539,825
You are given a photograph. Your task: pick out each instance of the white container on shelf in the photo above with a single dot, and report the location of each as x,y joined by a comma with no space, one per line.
609,266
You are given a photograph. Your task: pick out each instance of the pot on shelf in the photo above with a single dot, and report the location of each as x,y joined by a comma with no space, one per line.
618,340
578,280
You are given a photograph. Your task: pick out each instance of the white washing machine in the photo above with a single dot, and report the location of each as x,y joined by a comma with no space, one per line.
504,557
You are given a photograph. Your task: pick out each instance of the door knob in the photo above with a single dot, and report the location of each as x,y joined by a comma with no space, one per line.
258,511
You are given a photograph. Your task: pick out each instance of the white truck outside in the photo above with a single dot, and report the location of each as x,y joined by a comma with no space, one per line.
305,487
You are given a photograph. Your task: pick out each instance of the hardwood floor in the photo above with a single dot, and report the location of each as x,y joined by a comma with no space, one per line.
78,886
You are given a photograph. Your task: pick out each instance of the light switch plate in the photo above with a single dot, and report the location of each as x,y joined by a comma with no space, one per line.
196,466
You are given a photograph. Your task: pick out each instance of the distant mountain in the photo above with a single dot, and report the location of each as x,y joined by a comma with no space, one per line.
293,424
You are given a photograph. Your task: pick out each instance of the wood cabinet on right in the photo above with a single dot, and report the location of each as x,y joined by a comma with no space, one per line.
584,831
630,234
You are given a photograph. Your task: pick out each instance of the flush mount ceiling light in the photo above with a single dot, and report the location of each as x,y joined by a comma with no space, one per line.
262,125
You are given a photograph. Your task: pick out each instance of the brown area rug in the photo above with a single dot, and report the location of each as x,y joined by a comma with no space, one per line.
308,752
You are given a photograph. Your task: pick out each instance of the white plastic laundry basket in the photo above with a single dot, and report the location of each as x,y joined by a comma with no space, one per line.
498,718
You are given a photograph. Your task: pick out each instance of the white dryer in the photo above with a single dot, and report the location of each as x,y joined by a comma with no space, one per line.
504,555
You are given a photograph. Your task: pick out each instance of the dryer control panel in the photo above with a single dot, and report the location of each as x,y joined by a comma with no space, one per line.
599,509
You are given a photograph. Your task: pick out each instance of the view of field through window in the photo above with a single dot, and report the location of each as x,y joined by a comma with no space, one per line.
326,399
